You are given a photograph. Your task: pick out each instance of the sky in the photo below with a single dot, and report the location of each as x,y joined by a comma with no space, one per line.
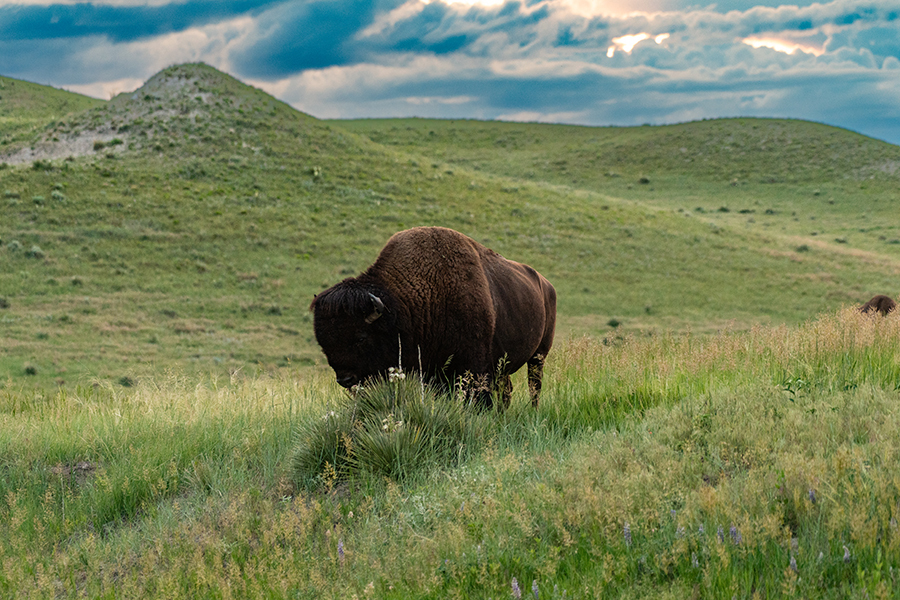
590,62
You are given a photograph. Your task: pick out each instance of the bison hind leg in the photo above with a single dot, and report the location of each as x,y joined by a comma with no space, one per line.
535,375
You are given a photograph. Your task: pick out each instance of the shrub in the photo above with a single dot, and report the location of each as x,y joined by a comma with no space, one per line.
35,252
389,428
14,246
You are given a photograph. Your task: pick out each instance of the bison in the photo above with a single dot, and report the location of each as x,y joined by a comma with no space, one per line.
438,302
880,304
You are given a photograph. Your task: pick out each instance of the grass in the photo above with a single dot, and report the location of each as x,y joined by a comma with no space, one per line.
163,404
727,456
27,108
197,242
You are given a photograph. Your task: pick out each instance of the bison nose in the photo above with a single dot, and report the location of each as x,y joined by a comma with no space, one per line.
347,381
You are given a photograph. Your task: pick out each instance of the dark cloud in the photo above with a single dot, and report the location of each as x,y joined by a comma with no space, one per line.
117,23
523,59
297,36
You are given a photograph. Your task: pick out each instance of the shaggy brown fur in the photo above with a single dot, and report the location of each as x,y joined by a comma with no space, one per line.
440,301
880,304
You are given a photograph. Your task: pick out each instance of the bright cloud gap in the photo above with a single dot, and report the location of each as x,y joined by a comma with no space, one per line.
782,46
626,43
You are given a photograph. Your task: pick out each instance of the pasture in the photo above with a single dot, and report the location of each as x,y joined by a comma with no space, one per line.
717,420
754,463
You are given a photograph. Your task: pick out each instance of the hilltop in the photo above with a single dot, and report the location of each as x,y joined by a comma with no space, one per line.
187,224
191,102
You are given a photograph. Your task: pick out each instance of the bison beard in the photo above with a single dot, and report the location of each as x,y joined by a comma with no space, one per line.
439,301
879,304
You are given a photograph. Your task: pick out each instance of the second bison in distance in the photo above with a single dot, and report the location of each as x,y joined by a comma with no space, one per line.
438,300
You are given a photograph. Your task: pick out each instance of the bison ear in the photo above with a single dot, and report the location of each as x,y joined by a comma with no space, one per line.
377,309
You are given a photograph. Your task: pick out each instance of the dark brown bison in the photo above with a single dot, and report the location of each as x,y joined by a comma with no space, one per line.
440,302
880,304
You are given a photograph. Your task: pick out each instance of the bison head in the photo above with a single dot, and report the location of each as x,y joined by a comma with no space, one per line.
356,329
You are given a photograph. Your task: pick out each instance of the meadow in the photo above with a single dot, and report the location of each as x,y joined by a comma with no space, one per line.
741,464
717,419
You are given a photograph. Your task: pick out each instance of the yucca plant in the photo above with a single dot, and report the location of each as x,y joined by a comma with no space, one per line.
392,427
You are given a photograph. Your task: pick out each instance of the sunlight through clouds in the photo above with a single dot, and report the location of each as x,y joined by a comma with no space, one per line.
782,46
626,43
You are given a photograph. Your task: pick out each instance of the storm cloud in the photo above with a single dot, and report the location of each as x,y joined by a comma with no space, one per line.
574,61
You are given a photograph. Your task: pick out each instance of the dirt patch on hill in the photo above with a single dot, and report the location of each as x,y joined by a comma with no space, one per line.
85,144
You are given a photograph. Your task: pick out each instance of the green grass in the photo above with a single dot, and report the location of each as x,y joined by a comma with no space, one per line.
26,108
198,241
780,437
166,423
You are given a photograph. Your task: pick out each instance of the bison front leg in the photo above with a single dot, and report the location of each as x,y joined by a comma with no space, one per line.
535,375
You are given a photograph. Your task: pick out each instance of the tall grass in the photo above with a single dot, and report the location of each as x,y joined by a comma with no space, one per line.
742,464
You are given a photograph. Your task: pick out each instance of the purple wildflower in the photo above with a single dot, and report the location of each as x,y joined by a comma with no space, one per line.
341,550
720,533
516,590
812,495
534,589
627,533
793,564
735,535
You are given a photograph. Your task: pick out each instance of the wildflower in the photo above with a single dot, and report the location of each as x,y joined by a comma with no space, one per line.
329,415
341,550
812,495
672,512
720,533
534,589
679,533
701,530
695,562
396,374
793,564
627,534
516,590
846,554
735,535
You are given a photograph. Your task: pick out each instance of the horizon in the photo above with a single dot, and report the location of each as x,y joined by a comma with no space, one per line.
577,62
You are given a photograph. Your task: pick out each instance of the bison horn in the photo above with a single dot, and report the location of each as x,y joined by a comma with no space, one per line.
377,311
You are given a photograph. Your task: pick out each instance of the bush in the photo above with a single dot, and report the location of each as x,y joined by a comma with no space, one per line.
389,428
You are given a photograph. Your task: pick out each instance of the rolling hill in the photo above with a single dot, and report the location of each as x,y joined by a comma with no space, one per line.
186,225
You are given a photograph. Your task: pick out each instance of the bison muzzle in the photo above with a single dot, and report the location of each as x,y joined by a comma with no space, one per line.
439,302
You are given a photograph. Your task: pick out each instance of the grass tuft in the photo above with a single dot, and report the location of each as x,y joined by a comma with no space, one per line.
388,428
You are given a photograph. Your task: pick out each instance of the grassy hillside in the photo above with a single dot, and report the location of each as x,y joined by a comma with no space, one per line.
727,432
26,107
774,177
188,224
